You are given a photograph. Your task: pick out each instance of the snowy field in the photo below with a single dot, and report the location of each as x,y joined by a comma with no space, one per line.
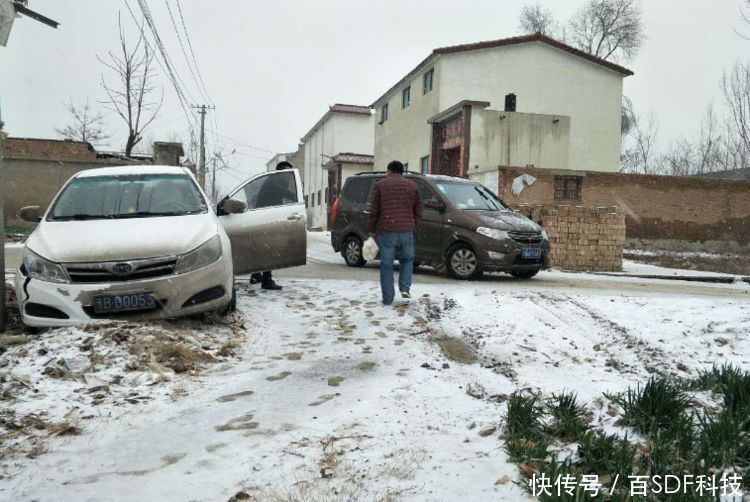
322,393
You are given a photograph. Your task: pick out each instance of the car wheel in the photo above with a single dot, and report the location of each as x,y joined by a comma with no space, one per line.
524,274
352,252
232,305
463,263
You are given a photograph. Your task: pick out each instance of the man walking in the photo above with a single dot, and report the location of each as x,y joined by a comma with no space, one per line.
395,211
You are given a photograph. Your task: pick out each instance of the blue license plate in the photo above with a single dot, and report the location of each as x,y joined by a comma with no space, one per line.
531,253
124,302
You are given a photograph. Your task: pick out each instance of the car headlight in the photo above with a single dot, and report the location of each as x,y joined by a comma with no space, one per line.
41,268
203,255
493,233
544,235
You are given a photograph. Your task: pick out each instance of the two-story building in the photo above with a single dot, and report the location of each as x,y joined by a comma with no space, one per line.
528,100
342,132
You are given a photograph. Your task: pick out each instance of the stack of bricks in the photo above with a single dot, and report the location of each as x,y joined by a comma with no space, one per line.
581,237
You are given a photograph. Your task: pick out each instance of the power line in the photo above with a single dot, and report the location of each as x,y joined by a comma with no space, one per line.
192,53
201,90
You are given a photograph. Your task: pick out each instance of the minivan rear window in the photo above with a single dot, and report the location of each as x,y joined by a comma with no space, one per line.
471,196
357,190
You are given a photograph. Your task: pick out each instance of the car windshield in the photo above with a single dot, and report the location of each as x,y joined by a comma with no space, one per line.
128,196
471,196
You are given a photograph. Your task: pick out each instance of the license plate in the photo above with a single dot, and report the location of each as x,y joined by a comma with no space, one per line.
531,253
124,302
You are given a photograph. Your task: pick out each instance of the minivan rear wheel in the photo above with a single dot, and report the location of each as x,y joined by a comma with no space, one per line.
463,263
524,274
352,252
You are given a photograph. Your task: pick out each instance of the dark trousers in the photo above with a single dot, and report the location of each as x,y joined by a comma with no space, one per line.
263,277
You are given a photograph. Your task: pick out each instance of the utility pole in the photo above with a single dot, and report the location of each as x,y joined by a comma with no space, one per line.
214,194
3,316
202,149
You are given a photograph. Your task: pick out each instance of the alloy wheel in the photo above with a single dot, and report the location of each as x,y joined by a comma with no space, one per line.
464,262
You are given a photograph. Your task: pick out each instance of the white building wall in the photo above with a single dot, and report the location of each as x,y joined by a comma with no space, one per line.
405,136
340,132
549,81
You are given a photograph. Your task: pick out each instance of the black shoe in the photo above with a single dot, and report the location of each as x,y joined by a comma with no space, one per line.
271,286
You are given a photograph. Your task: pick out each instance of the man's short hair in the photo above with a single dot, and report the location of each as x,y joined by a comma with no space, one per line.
396,167
283,165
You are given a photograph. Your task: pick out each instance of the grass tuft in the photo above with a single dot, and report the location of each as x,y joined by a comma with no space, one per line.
570,419
655,408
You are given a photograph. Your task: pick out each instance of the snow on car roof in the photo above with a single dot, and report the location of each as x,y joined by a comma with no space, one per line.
133,170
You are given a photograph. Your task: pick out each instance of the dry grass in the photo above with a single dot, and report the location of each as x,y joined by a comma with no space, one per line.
726,264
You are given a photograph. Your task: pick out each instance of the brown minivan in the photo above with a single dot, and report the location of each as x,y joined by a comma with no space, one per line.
466,229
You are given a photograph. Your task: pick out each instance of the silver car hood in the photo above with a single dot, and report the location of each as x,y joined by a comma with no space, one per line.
121,239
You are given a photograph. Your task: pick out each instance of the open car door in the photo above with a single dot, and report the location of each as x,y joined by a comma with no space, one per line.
270,234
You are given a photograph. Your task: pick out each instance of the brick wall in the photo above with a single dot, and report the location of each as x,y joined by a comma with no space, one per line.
581,238
655,207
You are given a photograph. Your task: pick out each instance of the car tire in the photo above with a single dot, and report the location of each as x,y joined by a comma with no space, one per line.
463,263
352,252
232,305
524,274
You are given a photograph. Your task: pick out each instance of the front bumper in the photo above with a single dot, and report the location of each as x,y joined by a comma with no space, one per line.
75,300
506,255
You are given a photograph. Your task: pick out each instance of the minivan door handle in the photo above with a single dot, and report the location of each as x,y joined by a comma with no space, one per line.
295,216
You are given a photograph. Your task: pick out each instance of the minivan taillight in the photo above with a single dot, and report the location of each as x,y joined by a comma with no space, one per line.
335,209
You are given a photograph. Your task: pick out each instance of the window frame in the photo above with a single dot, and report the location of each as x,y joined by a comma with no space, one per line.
564,192
383,113
424,165
406,97
425,79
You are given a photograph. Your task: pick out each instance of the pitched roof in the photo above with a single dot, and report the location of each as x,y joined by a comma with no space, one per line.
490,44
353,158
355,109
338,108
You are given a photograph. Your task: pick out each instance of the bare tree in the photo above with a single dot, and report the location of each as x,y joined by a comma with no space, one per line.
536,19
86,125
745,17
132,86
705,154
641,156
735,85
609,29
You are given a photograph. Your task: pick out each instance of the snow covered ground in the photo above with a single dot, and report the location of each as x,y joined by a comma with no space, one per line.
320,392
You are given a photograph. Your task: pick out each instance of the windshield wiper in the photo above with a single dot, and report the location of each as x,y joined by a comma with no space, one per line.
489,202
148,214
81,216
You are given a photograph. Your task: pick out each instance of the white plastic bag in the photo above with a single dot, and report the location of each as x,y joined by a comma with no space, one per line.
370,249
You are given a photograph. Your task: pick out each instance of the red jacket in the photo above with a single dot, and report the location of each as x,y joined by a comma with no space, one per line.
395,205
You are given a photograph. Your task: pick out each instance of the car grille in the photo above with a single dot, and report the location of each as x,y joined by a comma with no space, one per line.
112,271
526,237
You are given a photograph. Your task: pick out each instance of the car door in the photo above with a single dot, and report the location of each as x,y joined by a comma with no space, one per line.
356,201
429,234
271,233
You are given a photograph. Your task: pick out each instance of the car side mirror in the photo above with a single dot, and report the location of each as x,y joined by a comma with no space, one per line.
30,213
232,206
438,206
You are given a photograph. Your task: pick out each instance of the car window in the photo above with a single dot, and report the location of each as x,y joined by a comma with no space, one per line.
426,192
275,189
128,196
357,190
471,196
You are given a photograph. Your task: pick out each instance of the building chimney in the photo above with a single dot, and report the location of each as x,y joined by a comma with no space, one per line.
167,153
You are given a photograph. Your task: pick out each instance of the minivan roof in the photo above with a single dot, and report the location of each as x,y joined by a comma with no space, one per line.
434,177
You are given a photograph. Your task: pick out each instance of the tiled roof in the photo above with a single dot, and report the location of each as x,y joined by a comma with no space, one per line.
534,37
355,109
354,158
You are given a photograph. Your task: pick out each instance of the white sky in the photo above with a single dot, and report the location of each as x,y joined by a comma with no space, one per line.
272,68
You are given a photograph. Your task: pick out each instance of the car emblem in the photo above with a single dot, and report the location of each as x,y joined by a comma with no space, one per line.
122,268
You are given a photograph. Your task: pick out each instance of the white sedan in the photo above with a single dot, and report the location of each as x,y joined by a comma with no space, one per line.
145,242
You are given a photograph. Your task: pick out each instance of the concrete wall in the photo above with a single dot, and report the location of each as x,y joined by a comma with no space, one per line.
517,139
341,132
545,80
686,208
405,136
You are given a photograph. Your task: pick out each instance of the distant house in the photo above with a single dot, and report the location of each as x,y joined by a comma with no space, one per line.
343,128
34,169
529,100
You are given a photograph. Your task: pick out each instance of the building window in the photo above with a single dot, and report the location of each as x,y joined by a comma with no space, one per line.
427,79
406,166
306,201
406,97
384,113
568,188
320,197
424,164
